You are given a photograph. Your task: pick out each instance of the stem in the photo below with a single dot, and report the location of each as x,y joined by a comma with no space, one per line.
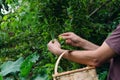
52,36
99,8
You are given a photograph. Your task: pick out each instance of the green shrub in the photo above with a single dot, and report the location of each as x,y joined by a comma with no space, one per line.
34,23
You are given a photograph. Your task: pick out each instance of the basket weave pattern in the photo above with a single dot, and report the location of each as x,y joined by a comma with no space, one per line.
87,73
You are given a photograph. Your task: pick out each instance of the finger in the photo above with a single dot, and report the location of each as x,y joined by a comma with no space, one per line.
66,34
53,41
66,37
68,41
50,42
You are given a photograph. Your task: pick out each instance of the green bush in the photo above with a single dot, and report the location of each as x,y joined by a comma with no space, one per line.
25,33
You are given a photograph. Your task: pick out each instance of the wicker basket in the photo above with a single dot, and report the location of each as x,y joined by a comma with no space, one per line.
87,73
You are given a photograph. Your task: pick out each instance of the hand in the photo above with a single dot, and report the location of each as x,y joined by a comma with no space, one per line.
72,39
55,47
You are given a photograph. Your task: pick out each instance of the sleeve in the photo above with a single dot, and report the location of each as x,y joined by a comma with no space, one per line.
113,40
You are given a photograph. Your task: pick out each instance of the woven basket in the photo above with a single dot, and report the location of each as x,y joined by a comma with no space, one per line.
87,73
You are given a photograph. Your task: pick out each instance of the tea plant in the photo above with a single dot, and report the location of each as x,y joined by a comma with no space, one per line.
31,24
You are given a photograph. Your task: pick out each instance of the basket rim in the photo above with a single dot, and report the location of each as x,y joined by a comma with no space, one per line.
72,71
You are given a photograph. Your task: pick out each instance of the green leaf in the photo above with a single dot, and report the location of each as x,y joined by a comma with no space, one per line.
3,25
5,17
27,64
25,68
0,18
43,77
1,78
34,57
10,66
103,75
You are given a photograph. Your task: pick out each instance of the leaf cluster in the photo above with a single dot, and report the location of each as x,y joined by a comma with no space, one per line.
33,23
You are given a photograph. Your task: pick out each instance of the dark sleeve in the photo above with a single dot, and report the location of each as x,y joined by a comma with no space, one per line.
113,40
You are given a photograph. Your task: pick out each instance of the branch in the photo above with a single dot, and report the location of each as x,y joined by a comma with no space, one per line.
99,8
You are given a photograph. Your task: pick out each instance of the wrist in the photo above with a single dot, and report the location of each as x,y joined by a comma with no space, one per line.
60,51
82,43
88,45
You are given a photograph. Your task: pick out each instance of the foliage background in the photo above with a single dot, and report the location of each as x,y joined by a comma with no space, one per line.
31,24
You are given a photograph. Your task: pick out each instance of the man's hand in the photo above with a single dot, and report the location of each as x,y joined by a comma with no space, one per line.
72,39
55,47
